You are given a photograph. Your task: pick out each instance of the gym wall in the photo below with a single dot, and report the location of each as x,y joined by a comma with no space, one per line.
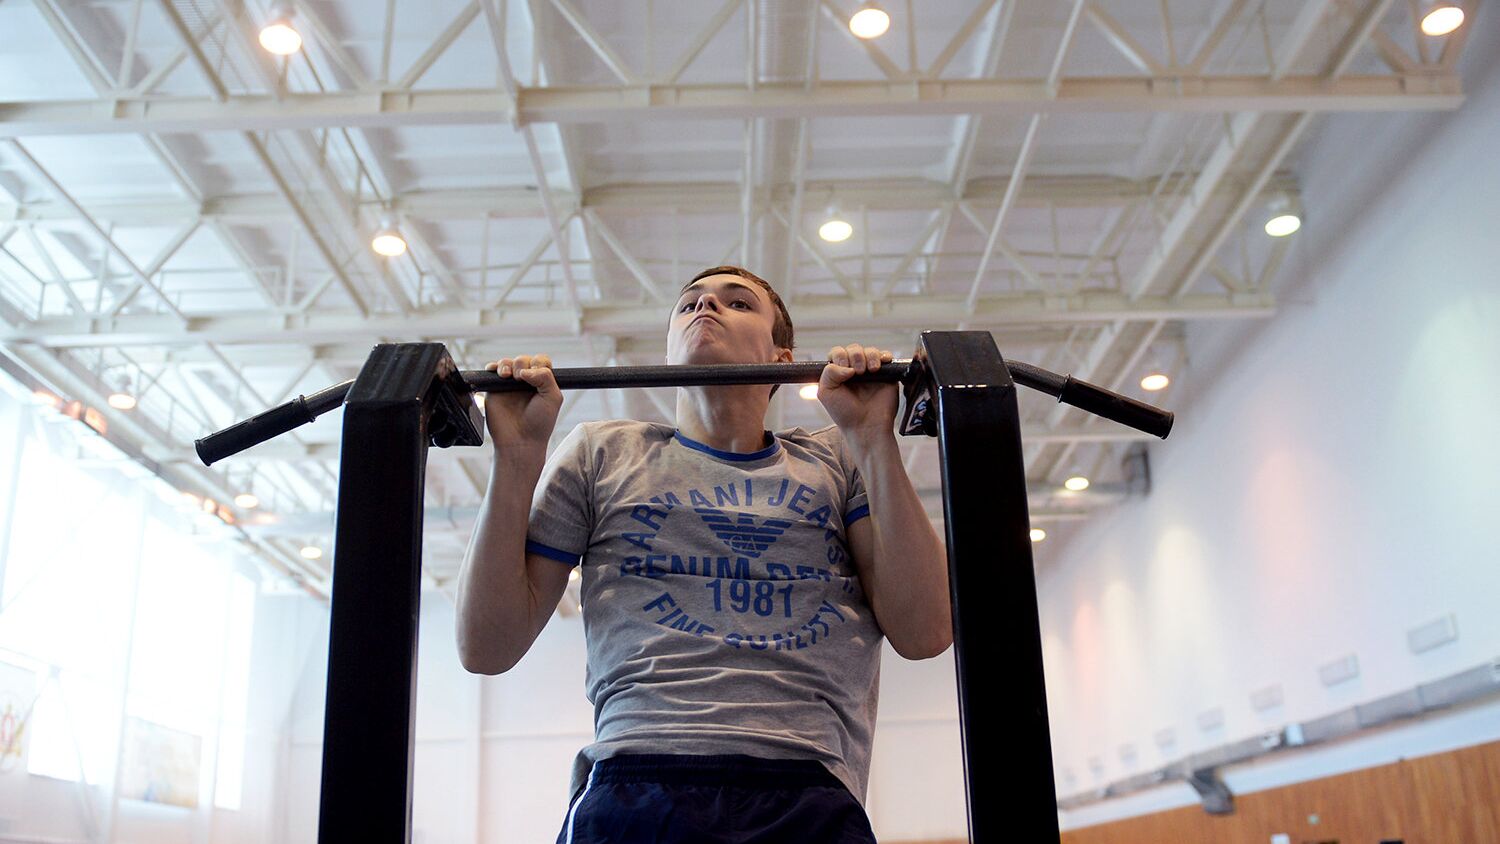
1331,491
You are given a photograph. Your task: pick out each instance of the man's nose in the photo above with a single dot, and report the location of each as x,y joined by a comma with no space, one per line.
708,300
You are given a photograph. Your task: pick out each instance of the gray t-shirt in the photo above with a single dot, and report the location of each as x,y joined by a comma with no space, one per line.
722,610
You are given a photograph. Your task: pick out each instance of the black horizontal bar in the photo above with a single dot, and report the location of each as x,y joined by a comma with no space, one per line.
681,375
304,409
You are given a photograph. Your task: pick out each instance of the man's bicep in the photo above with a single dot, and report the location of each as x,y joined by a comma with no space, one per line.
861,538
549,579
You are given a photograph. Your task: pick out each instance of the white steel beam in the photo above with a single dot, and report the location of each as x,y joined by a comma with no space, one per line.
595,41
616,246
1023,157
1216,36
705,35
318,327
876,194
329,43
1120,38
54,272
1301,32
1018,174
964,33
441,44
581,104
110,246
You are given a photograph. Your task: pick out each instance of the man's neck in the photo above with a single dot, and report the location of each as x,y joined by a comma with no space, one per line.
725,418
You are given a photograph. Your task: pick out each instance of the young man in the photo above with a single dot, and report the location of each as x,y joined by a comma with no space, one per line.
736,584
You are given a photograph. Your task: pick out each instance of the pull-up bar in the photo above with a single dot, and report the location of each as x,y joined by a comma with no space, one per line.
1066,388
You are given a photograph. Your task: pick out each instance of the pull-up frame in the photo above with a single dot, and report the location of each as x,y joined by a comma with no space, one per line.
409,396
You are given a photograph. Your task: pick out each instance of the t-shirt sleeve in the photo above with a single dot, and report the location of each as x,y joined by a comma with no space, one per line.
857,505
562,509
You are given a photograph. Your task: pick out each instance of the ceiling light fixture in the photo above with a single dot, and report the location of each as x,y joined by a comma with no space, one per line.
122,399
388,241
1077,483
278,35
870,21
246,501
1442,18
311,552
1037,534
1283,220
809,392
835,228
1155,381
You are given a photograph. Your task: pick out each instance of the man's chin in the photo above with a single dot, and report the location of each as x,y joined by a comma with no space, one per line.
706,353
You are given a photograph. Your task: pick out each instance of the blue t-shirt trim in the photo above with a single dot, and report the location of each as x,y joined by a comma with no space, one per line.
856,514
730,455
553,553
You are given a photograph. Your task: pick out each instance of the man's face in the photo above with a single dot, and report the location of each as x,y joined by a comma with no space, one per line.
722,319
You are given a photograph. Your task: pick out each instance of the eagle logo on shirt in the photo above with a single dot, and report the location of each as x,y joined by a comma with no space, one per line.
740,532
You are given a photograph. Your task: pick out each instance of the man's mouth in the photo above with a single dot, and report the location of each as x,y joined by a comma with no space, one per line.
708,317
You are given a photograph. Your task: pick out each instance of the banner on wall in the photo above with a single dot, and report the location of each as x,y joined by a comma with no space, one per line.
17,700
161,764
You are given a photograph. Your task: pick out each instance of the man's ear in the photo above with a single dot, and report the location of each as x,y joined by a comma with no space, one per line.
783,356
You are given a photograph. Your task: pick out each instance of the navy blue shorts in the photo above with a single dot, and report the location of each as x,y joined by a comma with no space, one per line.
727,799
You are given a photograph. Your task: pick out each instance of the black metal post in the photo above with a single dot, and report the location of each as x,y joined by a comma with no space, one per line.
1007,744
405,397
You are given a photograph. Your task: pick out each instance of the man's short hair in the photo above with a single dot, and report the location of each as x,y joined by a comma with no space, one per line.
781,329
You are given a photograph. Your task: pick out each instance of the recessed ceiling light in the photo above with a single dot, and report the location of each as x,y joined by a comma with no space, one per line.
1155,381
809,392
278,35
836,230
870,21
1282,225
311,552
1037,534
1442,19
1283,218
388,242
246,501
1077,483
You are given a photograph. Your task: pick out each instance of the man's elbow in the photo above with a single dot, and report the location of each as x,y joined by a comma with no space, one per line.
476,660
933,644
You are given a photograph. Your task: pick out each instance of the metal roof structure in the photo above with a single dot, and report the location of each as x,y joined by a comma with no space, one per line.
188,216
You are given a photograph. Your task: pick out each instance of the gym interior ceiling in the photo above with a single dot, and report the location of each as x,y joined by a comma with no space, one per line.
187,218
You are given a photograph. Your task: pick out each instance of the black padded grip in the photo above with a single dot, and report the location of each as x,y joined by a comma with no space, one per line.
1122,409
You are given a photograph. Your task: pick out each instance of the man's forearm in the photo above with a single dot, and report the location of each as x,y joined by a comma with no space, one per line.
910,564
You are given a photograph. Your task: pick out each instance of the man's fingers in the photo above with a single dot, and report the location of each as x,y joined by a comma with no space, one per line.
512,367
835,375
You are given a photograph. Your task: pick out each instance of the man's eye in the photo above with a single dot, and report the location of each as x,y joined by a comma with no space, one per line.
685,306
739,302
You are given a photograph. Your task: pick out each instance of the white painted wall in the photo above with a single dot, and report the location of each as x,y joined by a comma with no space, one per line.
1330,484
